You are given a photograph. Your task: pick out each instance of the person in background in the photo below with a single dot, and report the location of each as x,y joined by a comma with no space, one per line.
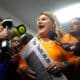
73,37
4,64
9,59
72,45
7,68
24,71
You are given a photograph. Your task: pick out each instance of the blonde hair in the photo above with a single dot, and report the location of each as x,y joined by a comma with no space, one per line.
54,19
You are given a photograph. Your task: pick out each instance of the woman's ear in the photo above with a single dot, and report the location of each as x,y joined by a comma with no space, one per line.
53,27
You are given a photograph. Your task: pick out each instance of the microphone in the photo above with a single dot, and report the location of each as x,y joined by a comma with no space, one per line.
53,36
25,38
19,30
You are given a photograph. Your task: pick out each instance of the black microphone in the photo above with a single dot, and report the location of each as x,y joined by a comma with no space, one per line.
26,38
53,36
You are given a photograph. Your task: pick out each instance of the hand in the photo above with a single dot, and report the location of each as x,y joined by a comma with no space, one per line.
30,73
15,58
69,46
55,67
4,34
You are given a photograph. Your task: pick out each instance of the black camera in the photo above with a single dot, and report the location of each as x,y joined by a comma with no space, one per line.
7,23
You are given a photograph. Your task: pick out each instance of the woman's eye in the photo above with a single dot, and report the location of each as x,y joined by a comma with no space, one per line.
43,19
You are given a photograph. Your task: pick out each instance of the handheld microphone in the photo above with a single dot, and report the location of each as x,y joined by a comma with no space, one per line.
26,38
19,30
53,36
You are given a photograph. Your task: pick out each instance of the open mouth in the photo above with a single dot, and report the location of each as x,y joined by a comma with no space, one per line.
41,26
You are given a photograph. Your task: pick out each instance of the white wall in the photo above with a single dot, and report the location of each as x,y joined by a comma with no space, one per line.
16,21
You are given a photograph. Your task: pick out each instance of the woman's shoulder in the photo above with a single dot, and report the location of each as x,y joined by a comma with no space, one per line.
66,35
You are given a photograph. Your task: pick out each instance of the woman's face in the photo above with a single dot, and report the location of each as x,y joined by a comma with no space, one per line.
44,24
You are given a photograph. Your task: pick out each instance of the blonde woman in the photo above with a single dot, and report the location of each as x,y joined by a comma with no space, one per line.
56,27
47,22
61,59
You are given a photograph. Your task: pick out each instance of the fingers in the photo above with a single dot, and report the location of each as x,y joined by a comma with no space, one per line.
6,27
53,68
15,58
31,74
13,51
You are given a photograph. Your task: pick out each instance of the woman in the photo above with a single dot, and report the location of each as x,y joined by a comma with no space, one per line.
46,22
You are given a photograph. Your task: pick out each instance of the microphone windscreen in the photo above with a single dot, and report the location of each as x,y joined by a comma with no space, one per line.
52,35
19,30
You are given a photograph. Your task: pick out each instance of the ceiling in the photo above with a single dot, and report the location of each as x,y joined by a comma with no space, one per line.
28,10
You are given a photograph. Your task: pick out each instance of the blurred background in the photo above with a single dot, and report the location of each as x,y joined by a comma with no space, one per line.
26,11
